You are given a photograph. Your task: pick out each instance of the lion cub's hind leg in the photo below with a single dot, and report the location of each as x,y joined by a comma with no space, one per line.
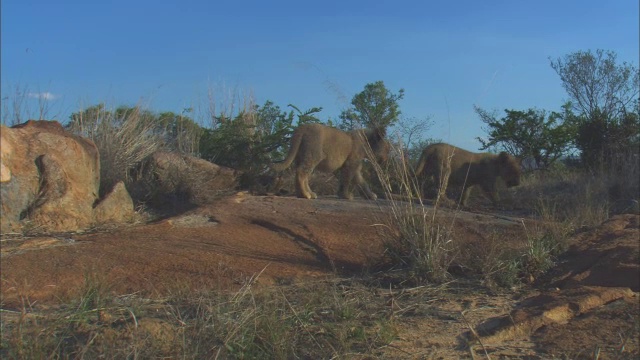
302,183
465,195
362,183
491,191
346,178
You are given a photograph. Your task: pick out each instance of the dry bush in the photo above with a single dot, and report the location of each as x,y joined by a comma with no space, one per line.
123,140
508,265
489,261
421,239
563,201
623,182
582,197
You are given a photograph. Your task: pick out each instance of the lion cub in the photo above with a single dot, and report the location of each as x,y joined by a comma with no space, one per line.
327,149
468,169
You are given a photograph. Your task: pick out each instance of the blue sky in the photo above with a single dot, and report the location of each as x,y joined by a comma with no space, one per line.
447,56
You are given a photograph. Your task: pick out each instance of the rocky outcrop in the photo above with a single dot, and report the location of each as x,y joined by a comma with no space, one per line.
115,207
600,267
49,179
175,179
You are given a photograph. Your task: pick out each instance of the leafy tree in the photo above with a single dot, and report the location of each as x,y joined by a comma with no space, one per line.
307,117
374,106
604,97
251,141
597,86
181,133
270,119
535,134
86,122
612,139
411,137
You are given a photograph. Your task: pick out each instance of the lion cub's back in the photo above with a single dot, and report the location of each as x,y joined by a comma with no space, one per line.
458,155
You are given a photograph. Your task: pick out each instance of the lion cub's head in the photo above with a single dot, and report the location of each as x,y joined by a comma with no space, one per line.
379,145
509,168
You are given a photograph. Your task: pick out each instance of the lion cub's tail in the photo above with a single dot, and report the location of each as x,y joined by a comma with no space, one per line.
296,140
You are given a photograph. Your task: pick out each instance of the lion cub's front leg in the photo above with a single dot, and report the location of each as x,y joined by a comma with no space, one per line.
344,193
367,190
365,187
350,174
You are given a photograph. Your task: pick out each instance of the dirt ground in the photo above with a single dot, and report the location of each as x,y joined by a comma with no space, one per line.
588,304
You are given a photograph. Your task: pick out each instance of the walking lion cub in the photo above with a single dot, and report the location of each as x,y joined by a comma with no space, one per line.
327,149
467,169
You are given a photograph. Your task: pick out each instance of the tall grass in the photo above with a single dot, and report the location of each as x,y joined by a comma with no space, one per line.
16,105
575,198
123,140
222,103
417,240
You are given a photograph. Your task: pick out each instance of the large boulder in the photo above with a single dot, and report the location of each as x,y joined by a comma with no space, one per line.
115,206
171,180
49,178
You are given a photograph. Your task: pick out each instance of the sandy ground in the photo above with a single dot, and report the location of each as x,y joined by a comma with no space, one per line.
588,303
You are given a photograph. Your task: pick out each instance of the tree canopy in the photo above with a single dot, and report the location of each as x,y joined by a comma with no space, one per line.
534,134
373,107
604,104
252,140
596,84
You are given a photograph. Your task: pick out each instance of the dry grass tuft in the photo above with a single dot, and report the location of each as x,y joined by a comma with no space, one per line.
417,239
123,140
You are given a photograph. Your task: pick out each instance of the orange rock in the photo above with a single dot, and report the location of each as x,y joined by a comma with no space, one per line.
49,177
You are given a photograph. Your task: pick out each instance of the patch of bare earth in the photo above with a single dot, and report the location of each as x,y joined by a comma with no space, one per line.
588,303
217,246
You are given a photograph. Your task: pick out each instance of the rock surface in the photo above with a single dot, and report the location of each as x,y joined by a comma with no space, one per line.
600,267
115,207
177,179
286,240
50,179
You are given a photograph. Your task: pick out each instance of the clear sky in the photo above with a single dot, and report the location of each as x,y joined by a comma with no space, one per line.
447,55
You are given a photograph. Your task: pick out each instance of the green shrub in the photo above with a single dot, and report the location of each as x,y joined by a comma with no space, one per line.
252,140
